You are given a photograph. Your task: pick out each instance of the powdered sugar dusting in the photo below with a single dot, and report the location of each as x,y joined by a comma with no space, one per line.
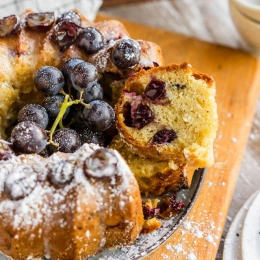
191,256
45,206
205,230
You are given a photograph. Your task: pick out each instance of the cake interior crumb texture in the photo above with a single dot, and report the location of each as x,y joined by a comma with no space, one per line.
190,110
154,177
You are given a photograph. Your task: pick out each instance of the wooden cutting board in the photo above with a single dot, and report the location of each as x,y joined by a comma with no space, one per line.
237,76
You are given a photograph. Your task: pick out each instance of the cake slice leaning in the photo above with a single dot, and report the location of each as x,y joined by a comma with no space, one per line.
169,113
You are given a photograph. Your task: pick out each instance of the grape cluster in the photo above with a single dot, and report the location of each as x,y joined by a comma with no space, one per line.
41,128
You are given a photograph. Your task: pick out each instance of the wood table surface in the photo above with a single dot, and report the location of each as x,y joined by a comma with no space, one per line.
238,80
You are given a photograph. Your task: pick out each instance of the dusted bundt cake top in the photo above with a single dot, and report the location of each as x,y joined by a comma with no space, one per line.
66,206
29,183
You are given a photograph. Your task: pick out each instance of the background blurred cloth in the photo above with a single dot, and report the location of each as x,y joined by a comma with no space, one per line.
88,8
203,19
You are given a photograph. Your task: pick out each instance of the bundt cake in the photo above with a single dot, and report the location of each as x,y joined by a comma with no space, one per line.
67,206
154,177
169,113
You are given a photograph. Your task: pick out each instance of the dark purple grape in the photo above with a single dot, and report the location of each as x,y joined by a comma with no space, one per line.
84,75
71,91
102,163
88,136
40,21
45,153
94,92
20,182
29,137
67,139
110,133
164,136
48,80
142,116
100,116
90,40
60,173
34,113
65,34
126,53
71,17
9,25
76,116
155,90
53,105
68,67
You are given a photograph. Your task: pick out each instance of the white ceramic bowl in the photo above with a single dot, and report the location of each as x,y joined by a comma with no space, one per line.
249,29
249,8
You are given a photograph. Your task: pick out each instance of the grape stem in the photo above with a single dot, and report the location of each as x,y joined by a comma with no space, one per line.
58,121
63,92
61,124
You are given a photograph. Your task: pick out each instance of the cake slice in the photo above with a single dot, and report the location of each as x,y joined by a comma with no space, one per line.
155,177
169,113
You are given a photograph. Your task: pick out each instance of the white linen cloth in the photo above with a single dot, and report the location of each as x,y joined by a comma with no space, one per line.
88,8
